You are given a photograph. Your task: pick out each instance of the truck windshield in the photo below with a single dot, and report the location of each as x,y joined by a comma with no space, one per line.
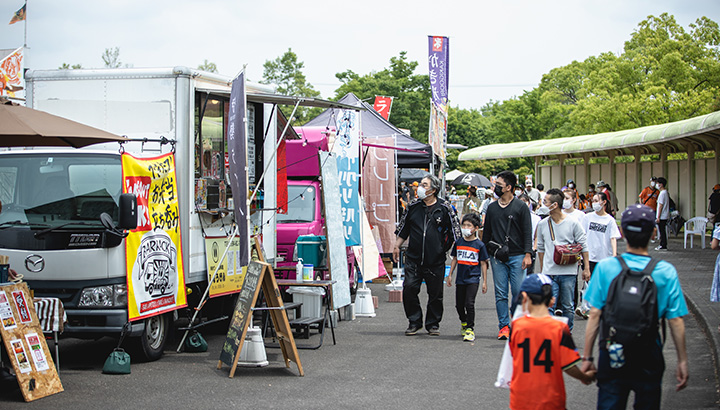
301,205
48,190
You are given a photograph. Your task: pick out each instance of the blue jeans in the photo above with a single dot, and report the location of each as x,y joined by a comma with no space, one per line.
563,288
506,274
613,394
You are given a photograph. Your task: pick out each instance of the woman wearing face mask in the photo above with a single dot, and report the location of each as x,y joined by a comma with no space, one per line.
569,206
602,235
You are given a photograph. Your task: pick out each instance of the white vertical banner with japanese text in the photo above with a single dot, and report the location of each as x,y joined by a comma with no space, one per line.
438,65
379,190
347,148
154,262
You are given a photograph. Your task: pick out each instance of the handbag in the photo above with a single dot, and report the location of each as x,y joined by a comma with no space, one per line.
117,363
564,254
196,343
498,251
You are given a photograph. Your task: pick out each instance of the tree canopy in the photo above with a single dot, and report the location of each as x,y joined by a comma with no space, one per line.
286,72
665,73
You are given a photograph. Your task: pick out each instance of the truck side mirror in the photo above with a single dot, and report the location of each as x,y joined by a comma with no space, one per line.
128,212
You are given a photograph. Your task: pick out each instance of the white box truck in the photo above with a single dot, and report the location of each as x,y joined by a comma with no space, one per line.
62,192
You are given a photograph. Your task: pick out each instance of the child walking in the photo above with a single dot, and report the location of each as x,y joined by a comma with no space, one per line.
471,259
541,347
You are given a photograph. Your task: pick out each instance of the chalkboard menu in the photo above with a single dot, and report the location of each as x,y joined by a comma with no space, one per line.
242,315
334,230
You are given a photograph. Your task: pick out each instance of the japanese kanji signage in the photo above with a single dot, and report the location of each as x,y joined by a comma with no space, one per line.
347,148
155,274
439,53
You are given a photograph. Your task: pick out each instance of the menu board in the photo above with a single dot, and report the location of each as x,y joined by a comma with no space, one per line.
242,315
25,343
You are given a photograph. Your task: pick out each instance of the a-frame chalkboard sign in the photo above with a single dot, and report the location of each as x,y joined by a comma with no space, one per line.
259,274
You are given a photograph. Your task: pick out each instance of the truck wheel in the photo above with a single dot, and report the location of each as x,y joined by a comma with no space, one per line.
152,341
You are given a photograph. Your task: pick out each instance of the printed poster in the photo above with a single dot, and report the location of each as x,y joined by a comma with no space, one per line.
36,352
154,264
230,275
20,356
22,306
6,314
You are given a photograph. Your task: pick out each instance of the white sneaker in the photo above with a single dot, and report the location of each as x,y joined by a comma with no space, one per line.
660,248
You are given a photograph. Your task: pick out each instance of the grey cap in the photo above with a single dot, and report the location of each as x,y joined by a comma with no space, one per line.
600,183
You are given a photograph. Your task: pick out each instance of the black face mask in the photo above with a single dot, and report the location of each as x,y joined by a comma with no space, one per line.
498,190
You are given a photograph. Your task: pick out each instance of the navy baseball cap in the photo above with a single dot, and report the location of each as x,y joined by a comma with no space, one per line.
638,218
533,283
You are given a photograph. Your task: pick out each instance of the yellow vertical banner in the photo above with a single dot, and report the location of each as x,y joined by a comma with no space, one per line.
154,262
230,275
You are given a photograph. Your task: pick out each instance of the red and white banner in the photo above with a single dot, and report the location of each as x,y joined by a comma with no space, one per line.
382,105
11,80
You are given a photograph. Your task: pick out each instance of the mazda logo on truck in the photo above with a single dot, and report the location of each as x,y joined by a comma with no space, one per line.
34,263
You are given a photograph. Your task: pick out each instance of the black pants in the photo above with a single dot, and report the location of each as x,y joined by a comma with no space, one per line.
465,302
434,281
662,226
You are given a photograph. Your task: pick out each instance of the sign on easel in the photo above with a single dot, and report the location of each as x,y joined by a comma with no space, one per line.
258,273
25,343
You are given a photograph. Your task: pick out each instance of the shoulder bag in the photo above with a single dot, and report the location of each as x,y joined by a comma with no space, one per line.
564,254
498,251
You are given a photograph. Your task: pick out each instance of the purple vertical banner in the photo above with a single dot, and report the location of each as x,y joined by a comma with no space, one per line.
237,158
438,62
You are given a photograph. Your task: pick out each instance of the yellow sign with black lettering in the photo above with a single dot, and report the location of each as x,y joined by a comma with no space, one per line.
230,275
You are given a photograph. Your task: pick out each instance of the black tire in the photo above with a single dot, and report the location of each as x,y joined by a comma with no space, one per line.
154,336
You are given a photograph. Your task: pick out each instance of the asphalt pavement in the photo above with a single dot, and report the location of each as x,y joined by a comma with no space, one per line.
373,364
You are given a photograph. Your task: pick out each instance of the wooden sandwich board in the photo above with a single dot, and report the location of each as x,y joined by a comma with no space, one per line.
25,343
259,274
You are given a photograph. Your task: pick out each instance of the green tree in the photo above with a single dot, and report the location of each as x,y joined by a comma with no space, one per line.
286,72
410,92
66,66
111,58
208,66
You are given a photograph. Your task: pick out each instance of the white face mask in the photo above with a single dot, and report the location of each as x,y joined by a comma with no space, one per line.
543,210
421,192
517,193
567,204
466,232
597,206
652,185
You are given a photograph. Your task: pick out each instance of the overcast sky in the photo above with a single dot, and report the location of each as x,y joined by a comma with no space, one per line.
497,48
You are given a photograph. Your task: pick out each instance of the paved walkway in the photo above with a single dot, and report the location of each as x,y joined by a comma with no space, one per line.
695,267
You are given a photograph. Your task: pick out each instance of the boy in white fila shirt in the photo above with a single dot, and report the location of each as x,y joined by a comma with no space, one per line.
471,259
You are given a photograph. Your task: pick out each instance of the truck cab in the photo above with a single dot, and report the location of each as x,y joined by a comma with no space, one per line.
304,206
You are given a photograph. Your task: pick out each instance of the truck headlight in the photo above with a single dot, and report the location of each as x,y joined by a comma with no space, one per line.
104,296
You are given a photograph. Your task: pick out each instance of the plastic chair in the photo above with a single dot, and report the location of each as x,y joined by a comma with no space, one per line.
694,226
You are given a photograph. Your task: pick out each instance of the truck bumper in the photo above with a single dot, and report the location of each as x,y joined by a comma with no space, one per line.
96,322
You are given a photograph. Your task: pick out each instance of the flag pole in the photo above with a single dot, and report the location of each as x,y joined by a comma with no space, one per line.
25,38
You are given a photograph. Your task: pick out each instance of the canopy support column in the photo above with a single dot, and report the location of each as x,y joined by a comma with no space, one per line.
637,153
691,180
586,162
537,171
561,158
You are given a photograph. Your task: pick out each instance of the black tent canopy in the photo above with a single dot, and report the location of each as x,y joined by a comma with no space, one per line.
375,126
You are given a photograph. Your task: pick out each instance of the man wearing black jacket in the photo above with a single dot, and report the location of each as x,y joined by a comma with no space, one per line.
507,223
432,227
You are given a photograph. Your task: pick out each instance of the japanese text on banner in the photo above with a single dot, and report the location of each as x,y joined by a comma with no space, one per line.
155,273
347,146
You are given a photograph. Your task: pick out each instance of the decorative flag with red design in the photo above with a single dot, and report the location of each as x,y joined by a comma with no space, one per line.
19,15
382,105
